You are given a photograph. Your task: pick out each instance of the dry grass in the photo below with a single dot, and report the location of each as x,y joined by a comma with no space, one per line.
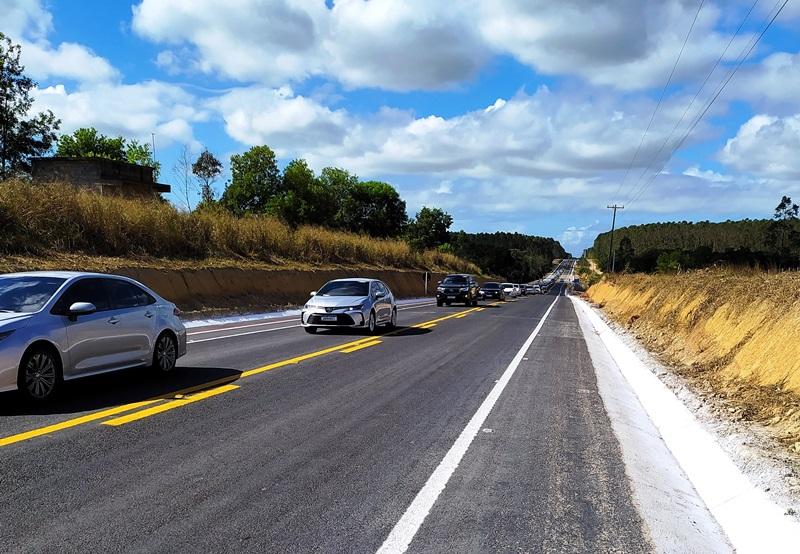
55,221
731,332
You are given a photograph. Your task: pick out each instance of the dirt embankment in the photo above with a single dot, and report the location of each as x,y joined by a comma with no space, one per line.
735,335
232,288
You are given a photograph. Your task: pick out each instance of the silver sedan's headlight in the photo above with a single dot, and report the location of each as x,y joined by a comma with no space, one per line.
357,308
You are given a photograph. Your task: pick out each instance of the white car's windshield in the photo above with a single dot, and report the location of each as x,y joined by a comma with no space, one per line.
27,294
344,288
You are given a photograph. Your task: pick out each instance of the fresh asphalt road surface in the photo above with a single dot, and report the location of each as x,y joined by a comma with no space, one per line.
280,441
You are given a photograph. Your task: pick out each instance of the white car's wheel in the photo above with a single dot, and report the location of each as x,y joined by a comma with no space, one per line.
165,354
39,375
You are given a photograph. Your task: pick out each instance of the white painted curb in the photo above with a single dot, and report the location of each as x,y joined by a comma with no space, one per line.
752,522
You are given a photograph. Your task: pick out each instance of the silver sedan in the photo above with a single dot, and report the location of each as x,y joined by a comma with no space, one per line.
359,303
57,326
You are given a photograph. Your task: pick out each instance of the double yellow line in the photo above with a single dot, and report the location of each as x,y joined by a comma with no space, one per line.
206,390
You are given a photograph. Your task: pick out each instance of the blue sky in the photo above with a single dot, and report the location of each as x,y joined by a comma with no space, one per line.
512,115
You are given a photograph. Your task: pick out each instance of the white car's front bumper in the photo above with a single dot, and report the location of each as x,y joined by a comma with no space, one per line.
338,317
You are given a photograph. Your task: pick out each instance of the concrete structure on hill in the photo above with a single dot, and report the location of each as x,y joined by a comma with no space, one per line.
101,174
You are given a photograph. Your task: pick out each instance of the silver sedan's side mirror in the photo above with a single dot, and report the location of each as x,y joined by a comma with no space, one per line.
79,309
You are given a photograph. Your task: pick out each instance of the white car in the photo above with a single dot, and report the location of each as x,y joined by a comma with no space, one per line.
358,303
58,325
517,289
510,290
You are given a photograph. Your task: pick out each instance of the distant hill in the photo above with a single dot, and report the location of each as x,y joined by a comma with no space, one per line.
684,245
514,256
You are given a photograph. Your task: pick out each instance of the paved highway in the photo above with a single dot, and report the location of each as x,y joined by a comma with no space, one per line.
467,429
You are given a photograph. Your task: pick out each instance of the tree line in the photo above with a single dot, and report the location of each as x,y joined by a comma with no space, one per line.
684,245
519,258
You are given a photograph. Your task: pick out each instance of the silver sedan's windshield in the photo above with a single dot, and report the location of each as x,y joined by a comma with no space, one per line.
27,294
345,288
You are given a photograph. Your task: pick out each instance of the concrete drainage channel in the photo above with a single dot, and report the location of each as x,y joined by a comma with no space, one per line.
665,435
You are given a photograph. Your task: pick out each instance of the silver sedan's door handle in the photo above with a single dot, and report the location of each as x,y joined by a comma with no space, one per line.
113,320
149,314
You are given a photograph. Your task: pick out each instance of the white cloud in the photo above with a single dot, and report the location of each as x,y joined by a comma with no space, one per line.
272,41
707,175
133,111
627,44
771,84
766,146
291,124
28,23
419,44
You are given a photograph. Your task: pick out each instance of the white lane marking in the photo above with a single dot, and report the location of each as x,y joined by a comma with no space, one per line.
243,334
221,329
266,330
405,529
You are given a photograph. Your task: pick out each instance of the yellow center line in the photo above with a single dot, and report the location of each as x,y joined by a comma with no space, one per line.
360,347
169,405
214,387
5,441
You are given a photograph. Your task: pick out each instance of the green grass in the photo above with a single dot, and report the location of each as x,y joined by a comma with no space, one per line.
57,219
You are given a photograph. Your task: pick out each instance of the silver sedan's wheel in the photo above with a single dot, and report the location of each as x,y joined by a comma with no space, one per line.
393,321
39,375
166,354
372,325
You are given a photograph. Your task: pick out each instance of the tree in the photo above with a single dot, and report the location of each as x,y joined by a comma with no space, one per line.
783,231
625,253
182,172
140,153
255,179
21,135
336,184
429,229
86,142
207,169
374,208
300,198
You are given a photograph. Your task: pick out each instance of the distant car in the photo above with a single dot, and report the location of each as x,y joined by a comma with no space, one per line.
458,288
509,290
58,326
517,289
354,302
536,289
526,289
493,290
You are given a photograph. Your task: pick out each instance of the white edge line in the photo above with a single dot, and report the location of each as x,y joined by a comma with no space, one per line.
406,528
752,522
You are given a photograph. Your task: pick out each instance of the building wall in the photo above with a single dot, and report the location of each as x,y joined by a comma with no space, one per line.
105,176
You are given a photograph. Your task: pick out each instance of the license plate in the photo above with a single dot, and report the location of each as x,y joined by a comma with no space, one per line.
328,318
451,296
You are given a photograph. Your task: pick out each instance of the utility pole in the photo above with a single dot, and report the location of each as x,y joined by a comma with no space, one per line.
611,260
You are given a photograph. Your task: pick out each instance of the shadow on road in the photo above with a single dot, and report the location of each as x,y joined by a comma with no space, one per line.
114,389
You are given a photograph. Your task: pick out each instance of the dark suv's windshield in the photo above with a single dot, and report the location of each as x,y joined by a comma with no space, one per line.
344,288
27,294
455,280
491,285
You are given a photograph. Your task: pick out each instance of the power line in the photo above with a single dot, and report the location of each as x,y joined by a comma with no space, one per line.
691,103
713,99
660,99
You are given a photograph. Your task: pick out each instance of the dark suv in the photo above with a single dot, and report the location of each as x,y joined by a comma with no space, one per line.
457,288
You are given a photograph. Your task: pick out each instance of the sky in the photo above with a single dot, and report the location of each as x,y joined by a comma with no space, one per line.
511,115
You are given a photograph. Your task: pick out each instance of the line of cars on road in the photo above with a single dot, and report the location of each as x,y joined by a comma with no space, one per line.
59,326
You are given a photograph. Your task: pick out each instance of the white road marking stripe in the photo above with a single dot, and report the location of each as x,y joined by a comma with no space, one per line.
275,322
243,334
404,531
265,330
